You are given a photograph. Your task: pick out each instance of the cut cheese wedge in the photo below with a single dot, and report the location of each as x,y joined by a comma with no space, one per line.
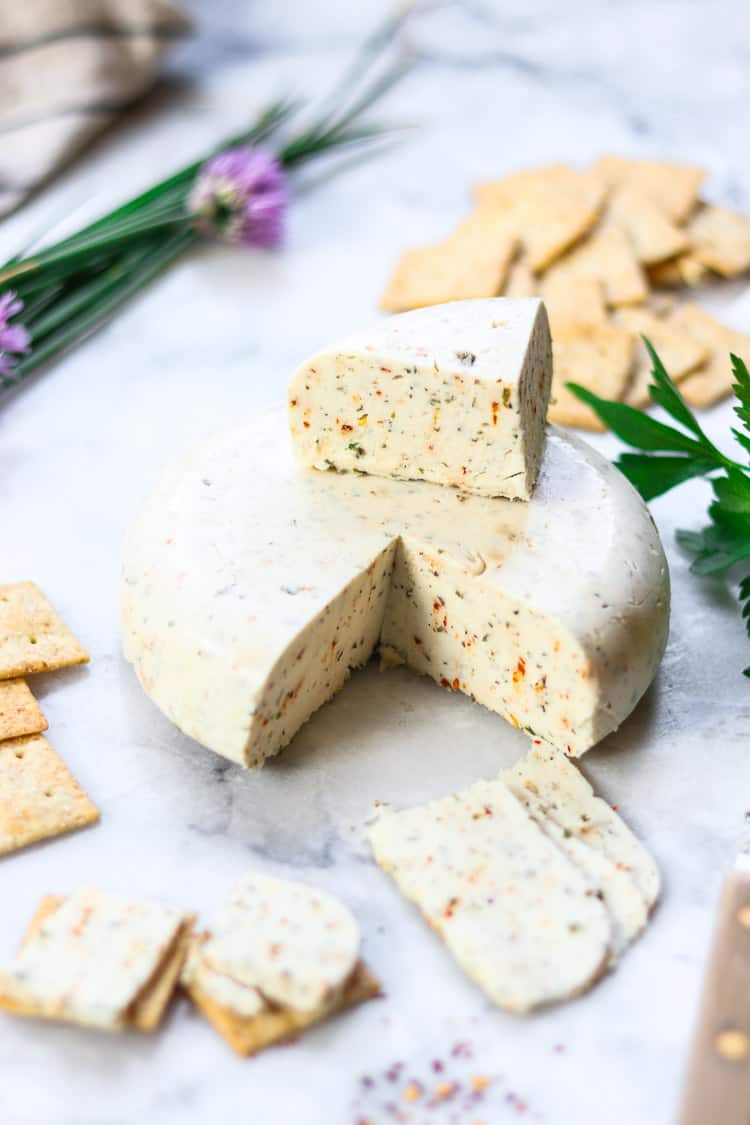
563,795
251,588
455,394
521,920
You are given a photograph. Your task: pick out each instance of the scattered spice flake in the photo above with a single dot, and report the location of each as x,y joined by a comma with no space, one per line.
412,1092
467,357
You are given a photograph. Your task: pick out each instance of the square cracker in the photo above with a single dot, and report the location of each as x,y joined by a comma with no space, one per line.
606,256
673,187
573,302
149,1007
721,239
653,234
20,713
247,1035
713,380
679,353
39,797
472,263
33,638
598,357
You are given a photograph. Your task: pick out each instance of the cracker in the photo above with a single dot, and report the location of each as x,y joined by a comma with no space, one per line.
653,235
599,357
679,353
520,919
33,638
39,797
685,269
608,257
520,281
550,209
20,713
721,239
576,302
473,263
143,1013
672,187
713,380
247,1035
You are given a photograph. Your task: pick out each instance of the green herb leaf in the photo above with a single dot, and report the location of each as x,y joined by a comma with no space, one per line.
653,476
634,427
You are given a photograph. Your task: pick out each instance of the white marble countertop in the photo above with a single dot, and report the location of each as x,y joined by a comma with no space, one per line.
498,87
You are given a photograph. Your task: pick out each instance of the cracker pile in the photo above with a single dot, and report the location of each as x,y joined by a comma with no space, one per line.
39,797
534,883
600,247
280,958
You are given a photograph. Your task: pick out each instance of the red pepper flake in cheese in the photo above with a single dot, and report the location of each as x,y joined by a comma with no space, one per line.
520,671
495,409
456,684
346,428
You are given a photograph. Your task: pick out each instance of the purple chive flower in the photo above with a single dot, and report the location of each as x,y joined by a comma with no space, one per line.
241,195
14,339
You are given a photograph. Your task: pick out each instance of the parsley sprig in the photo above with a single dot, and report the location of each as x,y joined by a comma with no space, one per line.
669,455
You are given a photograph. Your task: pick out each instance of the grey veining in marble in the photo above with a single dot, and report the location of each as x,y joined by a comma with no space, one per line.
497,86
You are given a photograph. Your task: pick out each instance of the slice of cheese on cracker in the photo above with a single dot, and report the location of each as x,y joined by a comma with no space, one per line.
280,957
522,921
97,960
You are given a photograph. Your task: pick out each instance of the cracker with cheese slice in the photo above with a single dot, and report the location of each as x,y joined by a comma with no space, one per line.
672,187
599,357
679,352
721,239
39,797
520,919
280,957
713,380
97,960
33,637
20,714
570,802
606,256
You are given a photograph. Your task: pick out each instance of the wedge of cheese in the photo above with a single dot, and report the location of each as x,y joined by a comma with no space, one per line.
521,920
251,588
455,394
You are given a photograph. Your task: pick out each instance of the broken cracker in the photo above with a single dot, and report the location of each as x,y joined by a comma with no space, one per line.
673,187
653,235
250,1034
713,380
599,357
20,714
39,797
606,256
151,997
471,264
679,353
721,239
33,637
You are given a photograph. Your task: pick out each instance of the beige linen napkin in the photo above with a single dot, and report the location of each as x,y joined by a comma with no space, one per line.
67,68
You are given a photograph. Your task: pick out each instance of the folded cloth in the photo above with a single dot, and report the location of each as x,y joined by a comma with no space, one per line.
67,68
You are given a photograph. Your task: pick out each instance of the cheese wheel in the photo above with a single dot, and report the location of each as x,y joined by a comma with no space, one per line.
251,587
455,394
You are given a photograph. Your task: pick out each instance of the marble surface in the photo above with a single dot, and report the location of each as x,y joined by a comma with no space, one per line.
497,86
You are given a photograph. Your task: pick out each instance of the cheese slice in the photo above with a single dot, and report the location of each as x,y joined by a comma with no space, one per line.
252,587
568,801
456,394
521,920
89,960
296,945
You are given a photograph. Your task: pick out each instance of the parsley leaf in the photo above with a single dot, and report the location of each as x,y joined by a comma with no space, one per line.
668,456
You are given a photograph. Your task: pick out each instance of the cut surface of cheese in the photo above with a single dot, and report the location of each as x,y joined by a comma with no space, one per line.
456,394
251,587
522,920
